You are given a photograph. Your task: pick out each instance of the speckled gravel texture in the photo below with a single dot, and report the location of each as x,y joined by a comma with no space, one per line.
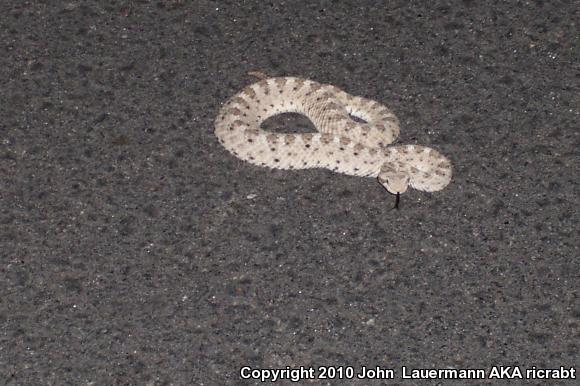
134,249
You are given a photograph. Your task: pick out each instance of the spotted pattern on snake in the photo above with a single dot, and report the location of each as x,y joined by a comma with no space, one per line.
341,144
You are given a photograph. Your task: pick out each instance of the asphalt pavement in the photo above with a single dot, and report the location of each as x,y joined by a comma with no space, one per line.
134,249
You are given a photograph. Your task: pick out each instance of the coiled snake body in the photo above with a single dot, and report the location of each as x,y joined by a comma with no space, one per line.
342,144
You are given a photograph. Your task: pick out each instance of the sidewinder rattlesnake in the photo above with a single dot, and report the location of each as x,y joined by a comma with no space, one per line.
342,144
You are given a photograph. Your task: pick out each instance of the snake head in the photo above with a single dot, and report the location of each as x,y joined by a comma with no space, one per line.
420,167
396,182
